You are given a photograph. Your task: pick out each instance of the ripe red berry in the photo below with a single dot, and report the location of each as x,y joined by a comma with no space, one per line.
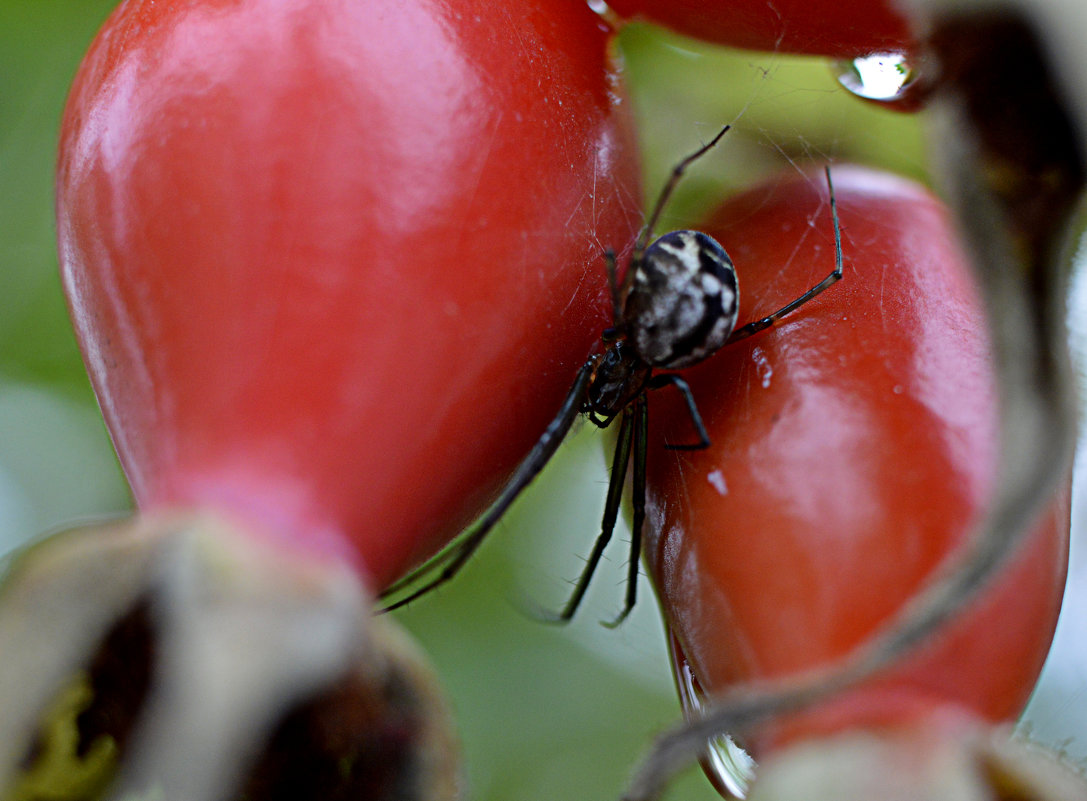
853,446
332,265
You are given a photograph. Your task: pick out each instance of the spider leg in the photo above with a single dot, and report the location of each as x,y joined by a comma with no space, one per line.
663,379
412,576
760,325
662,199
673,180
641,437
454,557
597,420
620,460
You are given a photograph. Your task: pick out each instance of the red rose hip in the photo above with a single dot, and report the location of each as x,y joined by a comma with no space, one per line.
853,447
332,264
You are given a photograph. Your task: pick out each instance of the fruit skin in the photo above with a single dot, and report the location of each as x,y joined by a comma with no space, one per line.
332,265
844,29
852,446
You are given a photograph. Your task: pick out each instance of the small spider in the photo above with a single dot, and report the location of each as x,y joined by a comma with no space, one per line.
677,305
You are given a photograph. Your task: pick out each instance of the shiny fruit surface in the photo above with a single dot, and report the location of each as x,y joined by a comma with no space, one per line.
852,448
332,265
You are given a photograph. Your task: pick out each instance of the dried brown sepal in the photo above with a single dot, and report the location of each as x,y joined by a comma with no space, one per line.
223,668
381,733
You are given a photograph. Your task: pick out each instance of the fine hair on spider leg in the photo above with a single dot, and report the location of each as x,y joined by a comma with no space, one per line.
677,305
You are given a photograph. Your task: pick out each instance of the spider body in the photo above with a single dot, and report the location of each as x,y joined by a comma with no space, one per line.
683,300
677,305
680,306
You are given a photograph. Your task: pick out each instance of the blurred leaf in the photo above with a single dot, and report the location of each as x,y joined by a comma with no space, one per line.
41,42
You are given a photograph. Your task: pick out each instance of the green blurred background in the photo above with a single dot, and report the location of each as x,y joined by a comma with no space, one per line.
544,712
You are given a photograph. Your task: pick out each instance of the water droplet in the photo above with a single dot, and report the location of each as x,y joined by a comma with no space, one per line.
729,768
887,78
599,6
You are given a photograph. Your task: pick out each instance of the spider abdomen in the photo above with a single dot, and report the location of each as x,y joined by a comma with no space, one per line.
683,300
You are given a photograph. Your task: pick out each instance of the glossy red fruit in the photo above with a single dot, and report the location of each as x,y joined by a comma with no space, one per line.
332,264
852,448
844,29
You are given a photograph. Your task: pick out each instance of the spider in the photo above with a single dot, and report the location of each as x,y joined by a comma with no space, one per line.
677,305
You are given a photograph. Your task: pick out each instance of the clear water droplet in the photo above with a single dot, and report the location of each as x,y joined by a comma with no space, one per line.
888,78
729,768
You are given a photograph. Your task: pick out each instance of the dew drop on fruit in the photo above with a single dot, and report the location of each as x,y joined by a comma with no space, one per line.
727,765
886,78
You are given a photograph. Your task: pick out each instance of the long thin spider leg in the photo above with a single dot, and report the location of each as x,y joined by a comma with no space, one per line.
662,199
760,325
641,437
597,420
619,463
460,551
429,566
664,379
414,575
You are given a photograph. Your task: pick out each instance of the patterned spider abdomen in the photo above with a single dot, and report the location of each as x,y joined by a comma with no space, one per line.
683,300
